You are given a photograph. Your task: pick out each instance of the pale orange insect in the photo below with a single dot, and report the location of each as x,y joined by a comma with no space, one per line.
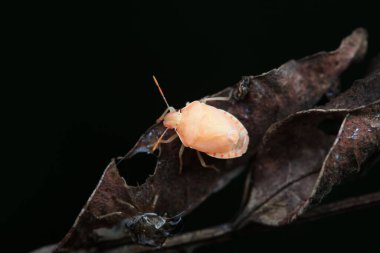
204,128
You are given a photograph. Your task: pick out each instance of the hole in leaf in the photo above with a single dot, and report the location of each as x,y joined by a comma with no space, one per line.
330,126
137,169
328,96
324,99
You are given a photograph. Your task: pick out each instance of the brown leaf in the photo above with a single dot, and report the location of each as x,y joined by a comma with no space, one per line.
300,160
258,102
362,92
358,140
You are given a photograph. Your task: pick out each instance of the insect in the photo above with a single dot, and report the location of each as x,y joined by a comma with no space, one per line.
204,128
143,228
146,228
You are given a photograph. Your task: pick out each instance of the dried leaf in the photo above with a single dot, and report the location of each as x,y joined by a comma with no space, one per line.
258,102
299,161
362,92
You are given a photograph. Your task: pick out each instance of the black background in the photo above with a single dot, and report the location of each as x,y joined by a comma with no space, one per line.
81,93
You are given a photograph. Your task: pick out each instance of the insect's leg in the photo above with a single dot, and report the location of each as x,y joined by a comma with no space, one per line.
204,100
160,140
154,201
204,163
171,138
181,149
109,215
161,118
126,203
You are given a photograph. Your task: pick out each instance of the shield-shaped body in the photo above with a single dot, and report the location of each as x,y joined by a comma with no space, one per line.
213,131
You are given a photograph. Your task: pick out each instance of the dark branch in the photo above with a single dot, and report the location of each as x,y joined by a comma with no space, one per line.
197,237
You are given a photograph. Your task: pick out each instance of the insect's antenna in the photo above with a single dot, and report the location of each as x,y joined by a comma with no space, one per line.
162,93
177,215
159,139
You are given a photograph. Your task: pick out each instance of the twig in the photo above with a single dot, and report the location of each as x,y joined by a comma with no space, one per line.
346,205
217,232
319,212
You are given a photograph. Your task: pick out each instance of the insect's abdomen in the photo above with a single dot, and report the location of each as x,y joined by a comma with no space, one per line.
213,131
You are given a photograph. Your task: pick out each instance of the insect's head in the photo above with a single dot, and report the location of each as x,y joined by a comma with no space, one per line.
172,119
